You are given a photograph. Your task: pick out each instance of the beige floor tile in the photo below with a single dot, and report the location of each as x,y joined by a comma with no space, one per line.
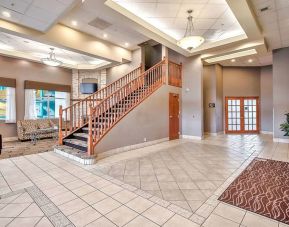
111,189
107,205
5,221
101,222
44,222
252,220
84,217
74,184
24,222
121,215
139,204
13,210
172,195
63,198
24,198
194,194
94,197
178,220
86,189
32,211
233,213
141,222
124,196
218,221
55,191
72,206
187,185
158,214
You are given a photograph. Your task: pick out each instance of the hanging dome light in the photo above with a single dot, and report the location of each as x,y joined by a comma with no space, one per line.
190,41
51,60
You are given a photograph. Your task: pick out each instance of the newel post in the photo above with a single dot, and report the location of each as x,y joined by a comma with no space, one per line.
166,70
60,136
90,127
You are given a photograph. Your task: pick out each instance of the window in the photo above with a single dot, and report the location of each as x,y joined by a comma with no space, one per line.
3,102
48,102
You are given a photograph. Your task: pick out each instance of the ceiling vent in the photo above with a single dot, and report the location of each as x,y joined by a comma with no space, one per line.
99,23
264,9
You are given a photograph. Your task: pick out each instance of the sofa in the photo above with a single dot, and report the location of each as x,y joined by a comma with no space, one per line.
43,128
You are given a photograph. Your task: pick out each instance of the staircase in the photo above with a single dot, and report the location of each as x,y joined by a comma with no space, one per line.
86,122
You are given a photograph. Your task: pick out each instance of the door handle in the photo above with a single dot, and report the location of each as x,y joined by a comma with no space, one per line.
171,116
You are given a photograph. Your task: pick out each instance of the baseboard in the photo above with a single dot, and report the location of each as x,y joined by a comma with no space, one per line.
131,147
266,132
280,140
214,133
9,139
191,137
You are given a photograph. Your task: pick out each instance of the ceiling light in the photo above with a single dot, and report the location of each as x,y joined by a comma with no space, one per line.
126,44
6,14
230,56
104,35
233,60
82,1
74,23
250,60
51,60
190,41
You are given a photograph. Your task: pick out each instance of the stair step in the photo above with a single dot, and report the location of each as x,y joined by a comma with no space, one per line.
75,143
80,136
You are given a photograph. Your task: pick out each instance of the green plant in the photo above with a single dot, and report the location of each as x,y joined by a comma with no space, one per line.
285,126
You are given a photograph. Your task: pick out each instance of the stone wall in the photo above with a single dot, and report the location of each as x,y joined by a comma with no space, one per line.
79,75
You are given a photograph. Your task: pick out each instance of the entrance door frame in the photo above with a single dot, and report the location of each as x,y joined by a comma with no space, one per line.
242,98
174,117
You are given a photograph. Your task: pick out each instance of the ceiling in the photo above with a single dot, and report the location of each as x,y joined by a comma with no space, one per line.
212,19
114,27
36,14
273,17
17,46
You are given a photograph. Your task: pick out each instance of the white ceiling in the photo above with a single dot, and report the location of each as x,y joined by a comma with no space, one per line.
118,33
213,19
36,14
274,21
35,51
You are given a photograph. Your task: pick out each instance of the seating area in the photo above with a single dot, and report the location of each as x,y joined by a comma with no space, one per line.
144,113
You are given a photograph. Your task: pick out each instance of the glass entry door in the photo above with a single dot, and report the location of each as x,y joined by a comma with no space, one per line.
242,115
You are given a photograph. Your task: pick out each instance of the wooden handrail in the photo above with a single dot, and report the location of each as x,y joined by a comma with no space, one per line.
76,116
114,107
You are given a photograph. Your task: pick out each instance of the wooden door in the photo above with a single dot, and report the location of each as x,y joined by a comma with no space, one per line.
242,115
174,113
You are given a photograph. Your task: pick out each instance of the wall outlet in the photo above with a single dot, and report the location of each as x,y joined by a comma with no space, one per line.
144,139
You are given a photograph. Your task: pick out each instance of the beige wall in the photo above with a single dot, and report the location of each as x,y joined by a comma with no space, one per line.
119,71
22,70
266,97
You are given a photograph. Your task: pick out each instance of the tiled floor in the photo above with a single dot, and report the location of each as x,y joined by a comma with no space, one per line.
63,193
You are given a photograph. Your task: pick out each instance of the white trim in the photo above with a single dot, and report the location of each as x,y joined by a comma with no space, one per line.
266,132
192,137
280,140
9,139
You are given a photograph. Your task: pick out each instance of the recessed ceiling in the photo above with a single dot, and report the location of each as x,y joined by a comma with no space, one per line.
25,48
116,31
274,18
37,14
212,19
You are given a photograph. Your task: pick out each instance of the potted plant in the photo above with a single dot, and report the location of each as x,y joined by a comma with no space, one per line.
285,126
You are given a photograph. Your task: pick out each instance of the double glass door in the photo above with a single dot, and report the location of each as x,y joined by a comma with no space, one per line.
242,115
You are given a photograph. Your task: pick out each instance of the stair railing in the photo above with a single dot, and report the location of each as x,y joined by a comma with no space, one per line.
75,116
122,101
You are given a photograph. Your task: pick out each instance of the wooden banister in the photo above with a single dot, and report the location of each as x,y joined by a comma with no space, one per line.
114,107
77,115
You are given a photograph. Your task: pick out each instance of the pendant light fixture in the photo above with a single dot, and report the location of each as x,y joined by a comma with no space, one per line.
51,60
190,41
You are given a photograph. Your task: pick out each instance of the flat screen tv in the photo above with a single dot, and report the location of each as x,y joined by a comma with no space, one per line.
88,88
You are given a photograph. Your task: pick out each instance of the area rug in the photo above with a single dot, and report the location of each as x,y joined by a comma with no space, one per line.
262,188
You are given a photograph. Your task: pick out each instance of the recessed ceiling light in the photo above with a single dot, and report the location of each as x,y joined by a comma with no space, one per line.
126,44
250,60
104,35
6,14
74,23
233,60
82,1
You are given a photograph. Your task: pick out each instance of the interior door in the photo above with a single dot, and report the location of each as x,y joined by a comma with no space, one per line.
174,125
242,115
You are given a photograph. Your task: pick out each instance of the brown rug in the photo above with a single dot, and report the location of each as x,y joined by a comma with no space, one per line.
262,188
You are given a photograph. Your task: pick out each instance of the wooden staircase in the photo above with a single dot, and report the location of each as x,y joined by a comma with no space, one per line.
86,122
